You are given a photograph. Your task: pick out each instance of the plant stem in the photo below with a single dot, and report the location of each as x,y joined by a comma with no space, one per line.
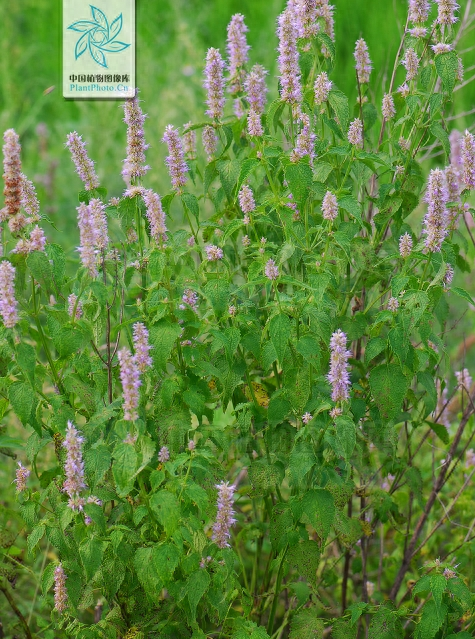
17,611
275,600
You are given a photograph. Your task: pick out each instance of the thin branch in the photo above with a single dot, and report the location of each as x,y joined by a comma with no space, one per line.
17,611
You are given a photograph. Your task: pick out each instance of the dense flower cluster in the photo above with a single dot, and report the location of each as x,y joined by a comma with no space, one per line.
8,303
141,347
322,88
22,475
287,32
436,219
214,84
155,215
246,199
134,163
130,378
329,206
60,590
237,48
11,174
363,62
339,376
74,483
84,165
388,109
175,159
225,517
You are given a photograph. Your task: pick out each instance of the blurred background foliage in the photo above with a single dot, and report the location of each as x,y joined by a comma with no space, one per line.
172,39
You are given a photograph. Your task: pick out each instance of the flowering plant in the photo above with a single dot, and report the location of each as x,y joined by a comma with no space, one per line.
230,411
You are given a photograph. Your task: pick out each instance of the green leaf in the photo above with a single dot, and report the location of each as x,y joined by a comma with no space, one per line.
307,625
438,584
329,45
97,461
299,178
190,201
305,556
460,591
34,538
22,400
341,629
463,294
373,348
166,509
166,558
91,552
11,442
163,336
351,205
41,269
389,386
123,468
69,340
147,572
247,168
264,476
273,114
156,264
431,620
447,65
357,610
441,134
26,360
196,586
279,331
280,525
339,103
210,174
47,578
345,436
385,624
218,292
319,509
229,171
302,459
56,254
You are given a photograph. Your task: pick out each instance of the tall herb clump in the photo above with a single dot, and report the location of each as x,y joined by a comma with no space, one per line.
243,418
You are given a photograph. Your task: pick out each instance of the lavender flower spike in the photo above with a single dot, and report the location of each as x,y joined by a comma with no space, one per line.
363,62
175,161
322,88
411,63
11,174
468,160
210,142
74,304
436,220
237,48
329,206
60,591
134,163
87,236
224,518
163,454
155,216
29,200
22,475
246,199
446,11
130,378
271,270
355,133
405,245
8,303
142,347
255,87
84,165
189,142
100,223
339,376
305,145
287,32
74,467
418,11
214,84
388,110
37,241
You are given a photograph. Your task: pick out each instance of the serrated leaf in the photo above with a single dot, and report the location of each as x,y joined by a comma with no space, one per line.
163,336
247,168
166,509
441,134
447,65
345,436
339,103
319,510
463,294
218,292
299,178
123,468
431,620
305,556
196,586
302,460
91,552
279,331
389,386
22,400
307,625
351,205
373,348
190,201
